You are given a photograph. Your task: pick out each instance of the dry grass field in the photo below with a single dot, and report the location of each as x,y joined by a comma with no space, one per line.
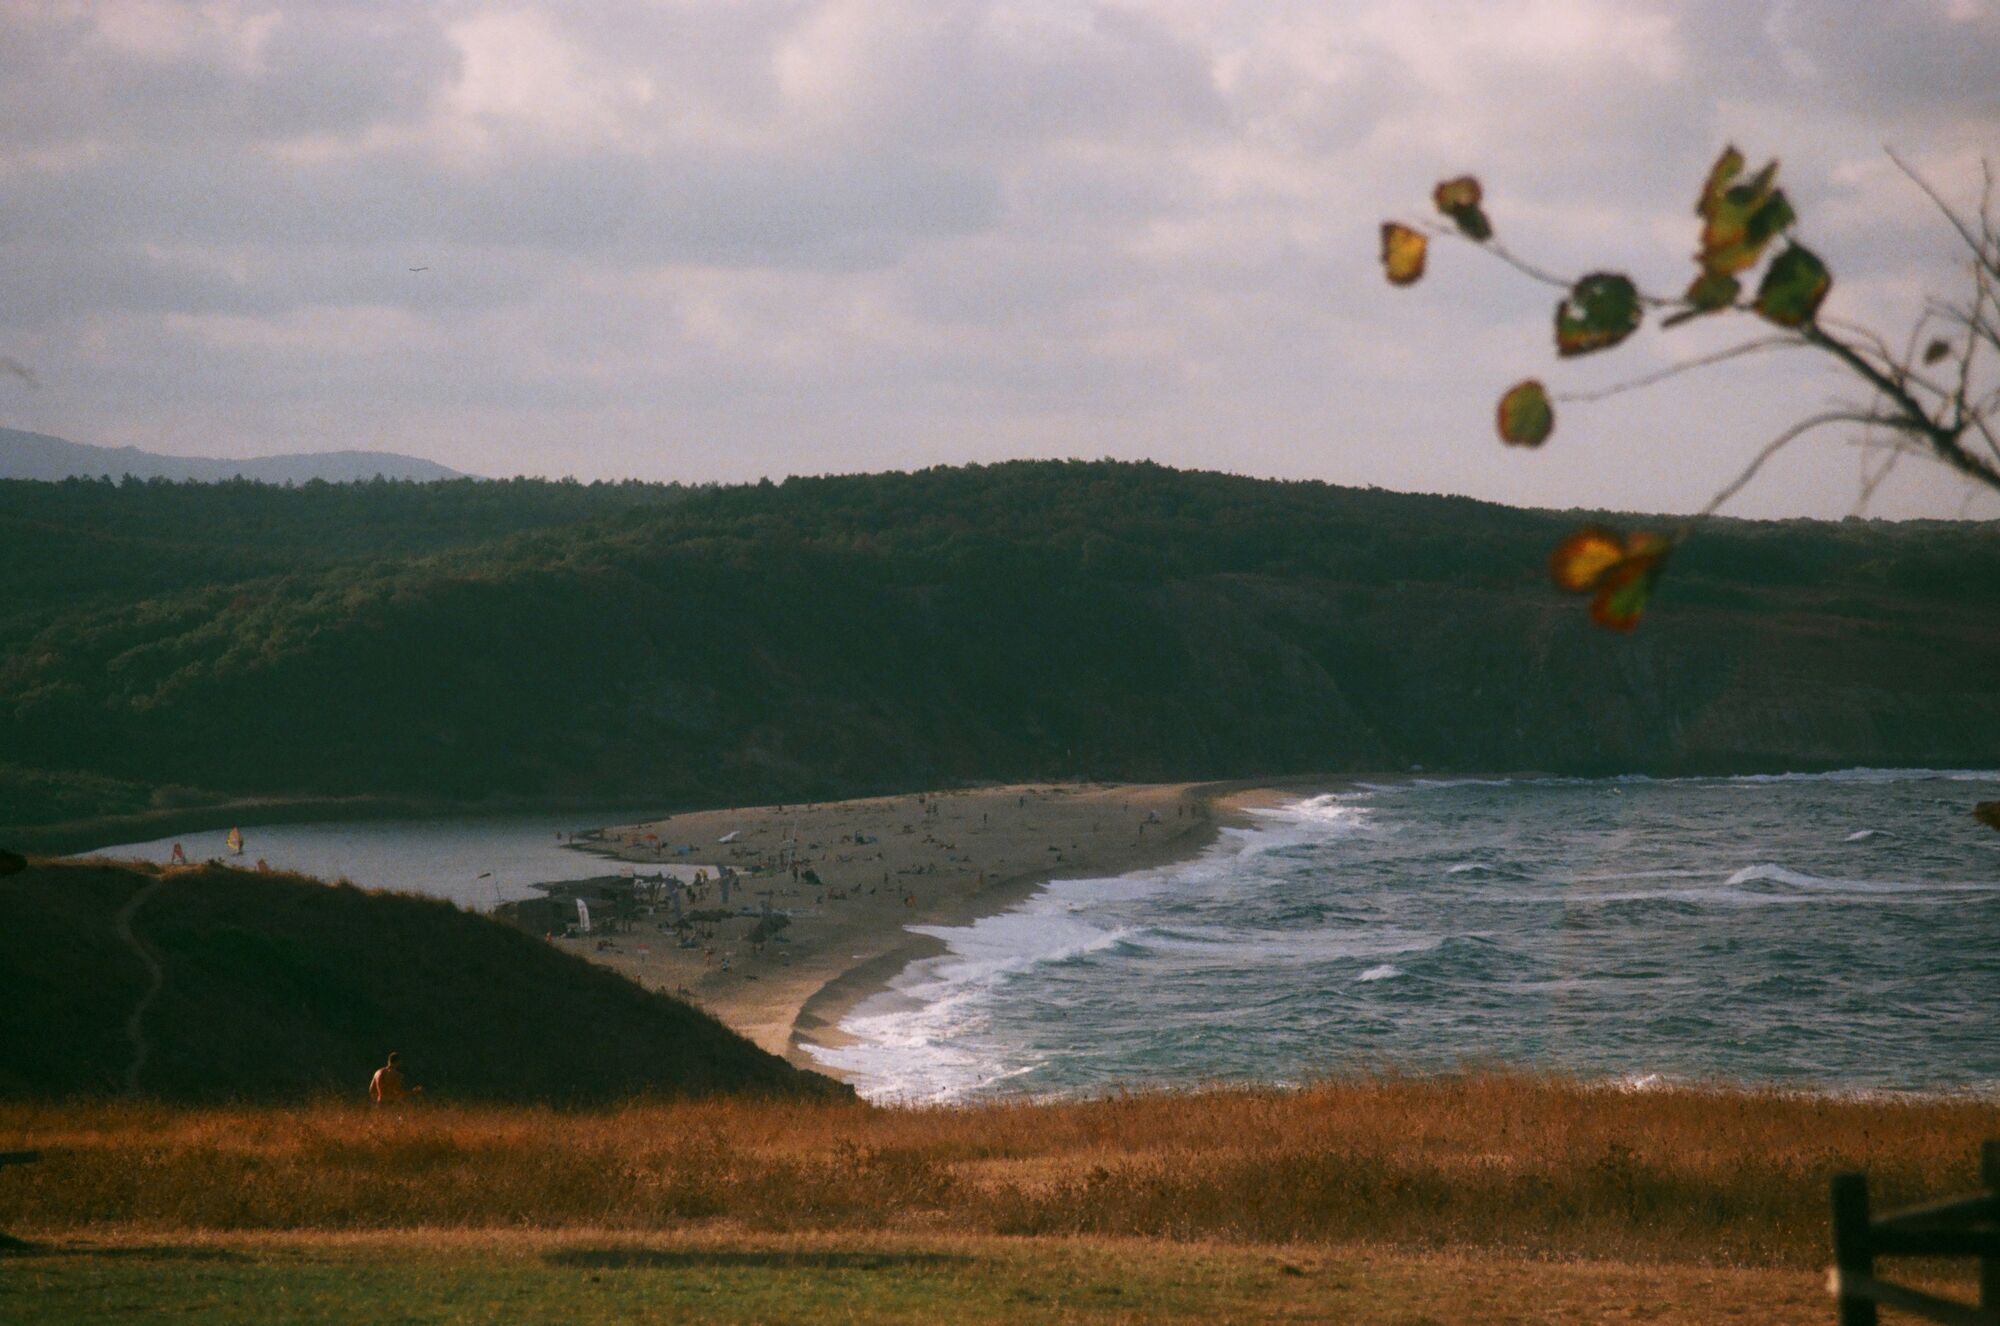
1420,1197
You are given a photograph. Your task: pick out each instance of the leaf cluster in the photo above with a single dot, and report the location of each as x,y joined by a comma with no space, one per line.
1742,216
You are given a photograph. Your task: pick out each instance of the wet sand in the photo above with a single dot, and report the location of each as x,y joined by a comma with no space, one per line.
883,864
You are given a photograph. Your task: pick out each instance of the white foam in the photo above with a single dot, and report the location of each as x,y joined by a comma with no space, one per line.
1614,781
1771,873
1381,973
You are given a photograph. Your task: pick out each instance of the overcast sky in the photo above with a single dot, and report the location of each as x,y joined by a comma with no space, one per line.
716,241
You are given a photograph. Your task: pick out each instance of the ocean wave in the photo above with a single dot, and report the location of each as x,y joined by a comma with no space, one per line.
1767,872
1582,936
1858,774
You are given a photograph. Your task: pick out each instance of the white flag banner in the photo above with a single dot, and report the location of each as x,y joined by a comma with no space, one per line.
582,916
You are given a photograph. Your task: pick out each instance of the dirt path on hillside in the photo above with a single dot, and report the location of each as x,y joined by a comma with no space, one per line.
135,1028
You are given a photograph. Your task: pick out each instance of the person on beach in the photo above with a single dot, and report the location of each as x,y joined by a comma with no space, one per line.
387,1087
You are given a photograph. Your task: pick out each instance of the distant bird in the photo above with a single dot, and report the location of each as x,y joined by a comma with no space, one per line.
15,368
487,875
420,269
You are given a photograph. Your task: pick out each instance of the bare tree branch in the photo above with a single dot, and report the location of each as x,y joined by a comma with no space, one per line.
1786,342
1772,448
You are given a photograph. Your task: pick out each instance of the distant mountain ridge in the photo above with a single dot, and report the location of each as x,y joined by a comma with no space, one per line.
26,455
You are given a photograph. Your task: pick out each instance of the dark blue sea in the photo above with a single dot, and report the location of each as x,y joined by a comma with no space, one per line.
1832,932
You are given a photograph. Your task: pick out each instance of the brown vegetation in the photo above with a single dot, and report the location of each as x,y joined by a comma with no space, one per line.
1512,1165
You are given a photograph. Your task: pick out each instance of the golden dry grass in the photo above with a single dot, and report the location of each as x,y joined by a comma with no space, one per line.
1489,1163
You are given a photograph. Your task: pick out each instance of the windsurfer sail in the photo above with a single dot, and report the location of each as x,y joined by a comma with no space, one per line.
235,841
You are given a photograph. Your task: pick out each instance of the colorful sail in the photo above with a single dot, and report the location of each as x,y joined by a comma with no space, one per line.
235,841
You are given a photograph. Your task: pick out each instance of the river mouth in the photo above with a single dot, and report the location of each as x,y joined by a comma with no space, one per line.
477,862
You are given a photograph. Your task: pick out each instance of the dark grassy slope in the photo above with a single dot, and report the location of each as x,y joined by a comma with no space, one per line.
278,987
851,634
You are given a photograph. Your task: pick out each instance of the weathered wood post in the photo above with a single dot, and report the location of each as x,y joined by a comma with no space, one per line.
1853,1253
1989,1265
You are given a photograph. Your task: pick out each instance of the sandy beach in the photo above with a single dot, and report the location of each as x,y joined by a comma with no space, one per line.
867,870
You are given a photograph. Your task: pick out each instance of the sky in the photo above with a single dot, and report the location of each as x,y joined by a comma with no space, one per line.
722,241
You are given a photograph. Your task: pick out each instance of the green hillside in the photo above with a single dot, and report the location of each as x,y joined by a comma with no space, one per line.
277,987
844,635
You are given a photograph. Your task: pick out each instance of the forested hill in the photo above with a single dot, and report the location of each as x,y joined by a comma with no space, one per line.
171,643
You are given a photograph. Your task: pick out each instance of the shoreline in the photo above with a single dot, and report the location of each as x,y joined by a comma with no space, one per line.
848,936
819,1017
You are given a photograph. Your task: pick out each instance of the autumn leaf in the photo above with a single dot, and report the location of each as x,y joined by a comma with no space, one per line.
1738,220
1459,200
1620,570
1725,170
1601,310
1525,416
1793,287
1624,590
1581,560
1402,253
1709,292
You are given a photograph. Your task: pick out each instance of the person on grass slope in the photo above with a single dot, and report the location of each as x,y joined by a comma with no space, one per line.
387,1087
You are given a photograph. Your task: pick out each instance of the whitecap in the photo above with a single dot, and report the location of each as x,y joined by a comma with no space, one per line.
1380,973
1767,872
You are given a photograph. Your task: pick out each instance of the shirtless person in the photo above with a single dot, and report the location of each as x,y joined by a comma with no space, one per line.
387,1087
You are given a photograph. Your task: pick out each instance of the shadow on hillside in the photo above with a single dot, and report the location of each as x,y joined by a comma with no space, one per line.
625,1259
159,1251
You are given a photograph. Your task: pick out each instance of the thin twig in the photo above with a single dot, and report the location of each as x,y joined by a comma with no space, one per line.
1772,448
1964,231
1720,356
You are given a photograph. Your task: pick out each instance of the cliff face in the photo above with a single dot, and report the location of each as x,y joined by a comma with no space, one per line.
843,636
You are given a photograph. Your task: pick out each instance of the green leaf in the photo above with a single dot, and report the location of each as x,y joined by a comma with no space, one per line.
1525,415
1793,287
1602,309
1709,292
1403,253
1459,200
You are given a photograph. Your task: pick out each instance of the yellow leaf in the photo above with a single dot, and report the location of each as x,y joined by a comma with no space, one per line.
1402,253
1581,560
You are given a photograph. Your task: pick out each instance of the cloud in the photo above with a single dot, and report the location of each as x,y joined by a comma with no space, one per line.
712,241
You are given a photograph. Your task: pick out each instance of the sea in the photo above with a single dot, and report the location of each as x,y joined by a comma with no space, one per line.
1824,932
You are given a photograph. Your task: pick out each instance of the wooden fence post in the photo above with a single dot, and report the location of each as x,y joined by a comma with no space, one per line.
1853,1256
1989,1265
